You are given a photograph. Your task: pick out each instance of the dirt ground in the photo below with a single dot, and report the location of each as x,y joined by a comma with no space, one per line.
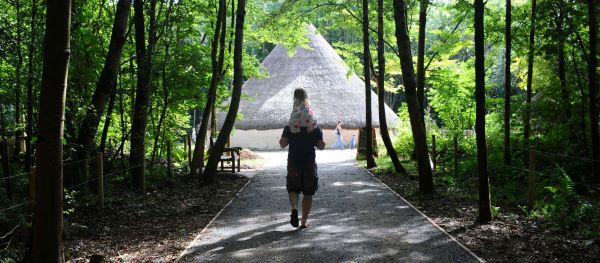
511,237
154,227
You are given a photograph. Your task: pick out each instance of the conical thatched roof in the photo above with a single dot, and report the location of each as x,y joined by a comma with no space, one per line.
333,93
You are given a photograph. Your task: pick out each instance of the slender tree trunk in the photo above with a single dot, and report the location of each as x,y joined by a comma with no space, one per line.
48,219
367,71
408,76
142,96
218,43
108,118
217,150
106,83
383,128
485,211
527,113
18,130
507,82
421,58
31,49
163,112
592,74
582,108
562,75
2,122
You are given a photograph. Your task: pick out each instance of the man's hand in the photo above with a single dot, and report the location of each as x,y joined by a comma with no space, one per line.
284,142
320,145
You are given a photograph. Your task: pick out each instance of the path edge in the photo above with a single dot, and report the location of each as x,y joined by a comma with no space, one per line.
422,214
183,253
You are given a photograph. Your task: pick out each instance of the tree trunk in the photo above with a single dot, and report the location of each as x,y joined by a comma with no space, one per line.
421,58
18,131
106,83
218,43
593,88
527,112
562,75
108,118
367,71
408,76
217,150
142,96
485,211
48,217
383,128
31,49
507,82
582,108
163,112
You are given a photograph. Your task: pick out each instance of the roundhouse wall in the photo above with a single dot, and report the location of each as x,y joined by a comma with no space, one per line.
269,139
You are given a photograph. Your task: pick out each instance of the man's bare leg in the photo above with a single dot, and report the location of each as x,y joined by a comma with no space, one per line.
294,203
306,205
294,200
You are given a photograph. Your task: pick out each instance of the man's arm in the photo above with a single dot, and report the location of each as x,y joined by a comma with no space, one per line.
320,144
284,142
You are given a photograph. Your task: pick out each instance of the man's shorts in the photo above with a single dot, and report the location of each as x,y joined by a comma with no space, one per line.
303,180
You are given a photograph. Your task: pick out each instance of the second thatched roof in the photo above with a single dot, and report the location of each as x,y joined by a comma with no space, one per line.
334,94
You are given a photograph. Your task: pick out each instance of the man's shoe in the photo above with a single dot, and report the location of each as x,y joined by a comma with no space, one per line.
294,218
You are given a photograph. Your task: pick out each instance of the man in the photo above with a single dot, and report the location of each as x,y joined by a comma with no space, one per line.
302,169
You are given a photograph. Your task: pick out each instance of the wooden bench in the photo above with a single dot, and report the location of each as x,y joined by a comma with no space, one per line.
231,156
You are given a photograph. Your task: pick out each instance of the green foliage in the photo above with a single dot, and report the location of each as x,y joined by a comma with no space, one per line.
563,207
452,96
69,201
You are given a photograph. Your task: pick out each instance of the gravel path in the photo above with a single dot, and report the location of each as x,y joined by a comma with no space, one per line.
355,218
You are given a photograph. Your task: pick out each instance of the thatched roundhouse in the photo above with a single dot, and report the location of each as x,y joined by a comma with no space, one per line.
334,95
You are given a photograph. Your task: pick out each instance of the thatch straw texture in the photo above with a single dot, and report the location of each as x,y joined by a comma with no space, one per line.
334,94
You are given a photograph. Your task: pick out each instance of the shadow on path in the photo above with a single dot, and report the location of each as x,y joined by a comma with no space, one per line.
354,219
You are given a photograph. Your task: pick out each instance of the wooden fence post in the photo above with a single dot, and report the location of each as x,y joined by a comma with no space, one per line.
433,154
455,157
531,179
169,172
32,175
6,169
100,175
189,153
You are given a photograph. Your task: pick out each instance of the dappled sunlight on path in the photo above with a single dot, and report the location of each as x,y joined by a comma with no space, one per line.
354,218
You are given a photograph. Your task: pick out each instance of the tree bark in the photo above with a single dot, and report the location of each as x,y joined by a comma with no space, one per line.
383,128
527,112
142,96
421,58
408,76
106,83
163,112
31,50
582,108
217,150
18,131
592,74
507,82
218,43
485,211
562,75
48,217
108,118
367,72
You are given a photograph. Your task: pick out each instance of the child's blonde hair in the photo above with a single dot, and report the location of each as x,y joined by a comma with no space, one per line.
300,97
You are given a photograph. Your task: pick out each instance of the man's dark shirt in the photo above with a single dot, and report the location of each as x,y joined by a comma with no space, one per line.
302,147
